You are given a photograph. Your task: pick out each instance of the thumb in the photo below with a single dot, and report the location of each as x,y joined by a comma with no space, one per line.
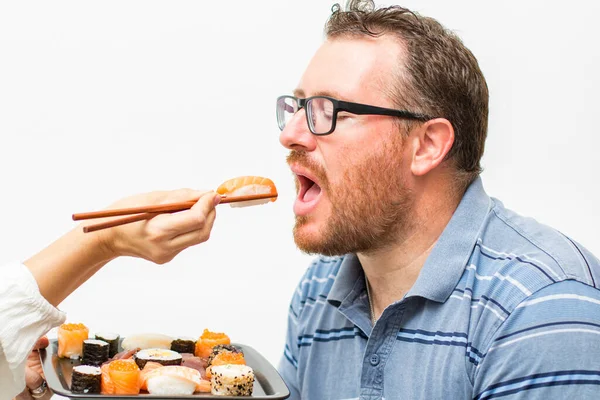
42,343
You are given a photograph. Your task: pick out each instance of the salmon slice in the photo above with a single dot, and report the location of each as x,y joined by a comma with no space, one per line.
208,340
70,340
125,376
247,185
185,376
106,384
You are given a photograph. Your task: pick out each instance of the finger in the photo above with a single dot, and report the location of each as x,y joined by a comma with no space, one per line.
42,343
193,238
33,378
188,220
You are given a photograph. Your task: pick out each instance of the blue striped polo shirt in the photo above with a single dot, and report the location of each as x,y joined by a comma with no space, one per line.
504,307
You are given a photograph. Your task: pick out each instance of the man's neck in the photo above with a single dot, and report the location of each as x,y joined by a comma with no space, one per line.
392,271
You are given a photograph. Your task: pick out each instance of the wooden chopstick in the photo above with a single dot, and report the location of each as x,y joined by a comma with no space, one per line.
117,222
147,212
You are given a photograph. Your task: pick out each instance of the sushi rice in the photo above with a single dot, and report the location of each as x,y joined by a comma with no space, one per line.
232,380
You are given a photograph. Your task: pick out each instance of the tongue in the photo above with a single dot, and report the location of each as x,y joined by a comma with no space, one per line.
312,193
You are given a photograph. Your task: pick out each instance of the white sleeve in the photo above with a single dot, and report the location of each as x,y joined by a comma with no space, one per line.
25,316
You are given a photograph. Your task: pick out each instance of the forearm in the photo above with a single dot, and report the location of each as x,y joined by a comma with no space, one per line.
68,262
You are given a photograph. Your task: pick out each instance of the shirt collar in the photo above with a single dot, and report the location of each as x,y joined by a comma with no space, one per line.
446,262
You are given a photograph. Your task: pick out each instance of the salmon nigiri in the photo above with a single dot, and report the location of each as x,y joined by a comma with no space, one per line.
70,340
175,380
248,185
120,377
149,367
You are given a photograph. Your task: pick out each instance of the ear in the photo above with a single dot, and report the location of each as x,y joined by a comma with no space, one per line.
430,144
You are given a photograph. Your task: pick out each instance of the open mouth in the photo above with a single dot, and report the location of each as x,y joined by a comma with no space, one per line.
309,193
309,190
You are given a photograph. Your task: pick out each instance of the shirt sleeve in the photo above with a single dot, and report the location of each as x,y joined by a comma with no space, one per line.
288,366
25,316
548,348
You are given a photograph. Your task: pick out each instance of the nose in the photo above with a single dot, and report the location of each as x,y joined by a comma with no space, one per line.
296,135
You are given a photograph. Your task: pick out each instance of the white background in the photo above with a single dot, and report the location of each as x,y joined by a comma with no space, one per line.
100,100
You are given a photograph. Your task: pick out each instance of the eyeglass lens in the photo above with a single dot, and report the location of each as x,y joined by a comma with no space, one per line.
319,113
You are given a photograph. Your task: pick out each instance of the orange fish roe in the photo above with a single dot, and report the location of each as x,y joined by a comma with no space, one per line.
208,340
224,358
73,327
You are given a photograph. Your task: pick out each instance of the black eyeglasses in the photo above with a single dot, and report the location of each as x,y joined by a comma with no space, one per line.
322,111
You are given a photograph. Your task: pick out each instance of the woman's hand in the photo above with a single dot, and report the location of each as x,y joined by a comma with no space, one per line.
65,264
34,375
162,237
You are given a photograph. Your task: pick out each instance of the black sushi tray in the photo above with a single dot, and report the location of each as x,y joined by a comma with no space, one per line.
268,385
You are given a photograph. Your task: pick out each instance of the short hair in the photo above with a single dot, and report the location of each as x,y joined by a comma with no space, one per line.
440,76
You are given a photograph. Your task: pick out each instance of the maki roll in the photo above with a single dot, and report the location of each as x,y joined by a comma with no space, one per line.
86,379
220,348
183,345
113,342
232,380
95,352
224,358
161,356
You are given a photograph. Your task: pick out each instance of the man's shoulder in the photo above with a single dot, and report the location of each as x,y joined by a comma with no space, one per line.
512,243
516,259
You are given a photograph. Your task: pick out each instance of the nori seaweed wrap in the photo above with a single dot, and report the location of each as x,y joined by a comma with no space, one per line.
95,352
86,379
113,341
183,345
223,348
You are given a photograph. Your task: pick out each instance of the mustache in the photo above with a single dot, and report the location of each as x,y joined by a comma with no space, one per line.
303,159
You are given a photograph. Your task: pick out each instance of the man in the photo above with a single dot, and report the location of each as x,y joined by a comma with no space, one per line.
427,288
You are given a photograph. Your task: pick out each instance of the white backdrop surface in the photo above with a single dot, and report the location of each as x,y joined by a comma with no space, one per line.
100,100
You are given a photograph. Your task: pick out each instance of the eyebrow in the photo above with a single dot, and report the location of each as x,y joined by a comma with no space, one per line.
301,94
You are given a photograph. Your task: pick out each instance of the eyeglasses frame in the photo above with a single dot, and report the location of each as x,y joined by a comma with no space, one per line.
353,108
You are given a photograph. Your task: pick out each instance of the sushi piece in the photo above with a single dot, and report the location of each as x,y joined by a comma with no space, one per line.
70,340
183,345
232,380
95,352
223,348
147,341
197,363
106,384
113,342
149,367
175,380
161,356
208,340
86,379
248,185
120,377
224,358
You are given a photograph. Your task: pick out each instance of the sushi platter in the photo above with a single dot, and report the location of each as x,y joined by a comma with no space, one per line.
80,366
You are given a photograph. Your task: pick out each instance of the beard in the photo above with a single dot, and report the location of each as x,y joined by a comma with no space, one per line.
370,207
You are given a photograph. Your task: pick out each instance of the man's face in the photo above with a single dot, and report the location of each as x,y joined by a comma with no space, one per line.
352,195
